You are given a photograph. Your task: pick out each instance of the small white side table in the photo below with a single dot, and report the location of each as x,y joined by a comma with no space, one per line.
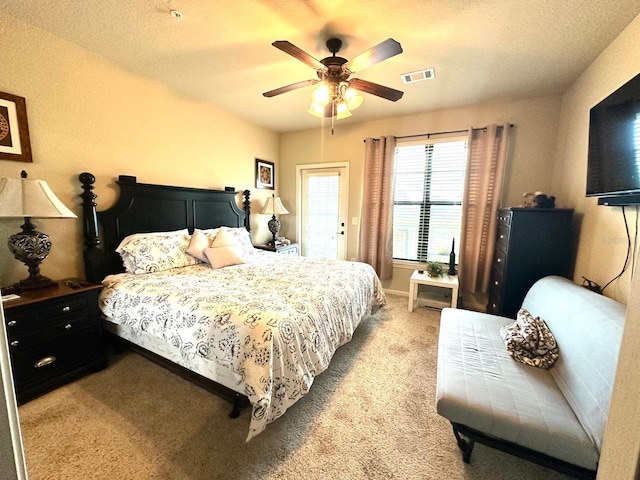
446,281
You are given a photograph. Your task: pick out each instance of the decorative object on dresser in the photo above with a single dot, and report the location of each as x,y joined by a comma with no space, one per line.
54,335
274,207
531,243
30,199
291,249
14,129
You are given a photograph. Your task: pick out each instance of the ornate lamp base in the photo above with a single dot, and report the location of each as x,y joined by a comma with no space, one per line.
274,228
31,248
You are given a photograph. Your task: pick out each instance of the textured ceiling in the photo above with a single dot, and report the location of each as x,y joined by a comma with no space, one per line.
220,52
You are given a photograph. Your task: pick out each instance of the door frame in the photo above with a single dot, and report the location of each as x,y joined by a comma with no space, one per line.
321,166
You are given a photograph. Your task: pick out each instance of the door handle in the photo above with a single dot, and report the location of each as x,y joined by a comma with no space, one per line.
341,232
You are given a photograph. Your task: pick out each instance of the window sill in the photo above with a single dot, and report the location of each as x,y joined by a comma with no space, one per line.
409,265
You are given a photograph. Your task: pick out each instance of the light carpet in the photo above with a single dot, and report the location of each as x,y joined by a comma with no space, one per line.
371,415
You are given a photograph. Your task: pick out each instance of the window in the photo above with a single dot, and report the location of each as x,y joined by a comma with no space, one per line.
427,205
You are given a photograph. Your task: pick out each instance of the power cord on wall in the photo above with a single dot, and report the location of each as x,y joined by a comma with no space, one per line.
626,260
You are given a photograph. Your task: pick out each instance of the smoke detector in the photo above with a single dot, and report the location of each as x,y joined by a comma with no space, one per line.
418,76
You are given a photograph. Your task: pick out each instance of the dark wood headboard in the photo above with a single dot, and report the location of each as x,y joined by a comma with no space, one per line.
143,208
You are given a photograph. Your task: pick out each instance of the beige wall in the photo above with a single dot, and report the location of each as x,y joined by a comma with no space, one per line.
602,244
85,114
532,146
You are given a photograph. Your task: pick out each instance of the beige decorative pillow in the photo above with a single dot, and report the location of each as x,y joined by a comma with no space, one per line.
224,251
199,241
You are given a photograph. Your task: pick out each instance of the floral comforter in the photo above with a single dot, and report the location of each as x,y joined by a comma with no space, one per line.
275,321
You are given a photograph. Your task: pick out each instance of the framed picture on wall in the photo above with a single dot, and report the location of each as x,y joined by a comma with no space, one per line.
265,174
14,130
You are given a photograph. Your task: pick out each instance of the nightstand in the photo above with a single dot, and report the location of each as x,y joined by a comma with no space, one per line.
293,249
54,336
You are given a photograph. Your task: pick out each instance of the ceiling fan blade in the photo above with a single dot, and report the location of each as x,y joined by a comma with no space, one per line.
304,57
375,89
380,52
288,88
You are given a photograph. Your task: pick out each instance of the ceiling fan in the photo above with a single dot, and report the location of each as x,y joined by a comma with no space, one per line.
335,94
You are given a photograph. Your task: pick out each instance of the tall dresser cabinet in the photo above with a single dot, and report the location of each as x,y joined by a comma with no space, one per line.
531,243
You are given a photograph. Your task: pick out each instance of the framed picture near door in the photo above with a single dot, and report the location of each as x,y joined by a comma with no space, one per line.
14,130
265,174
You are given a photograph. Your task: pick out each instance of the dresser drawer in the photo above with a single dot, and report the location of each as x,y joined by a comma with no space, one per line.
494,307
502,237
39,318
504,217
34,363
497,282
499,260
38,330
65,307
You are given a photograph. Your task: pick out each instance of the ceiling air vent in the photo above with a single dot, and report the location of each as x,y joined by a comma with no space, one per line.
418,76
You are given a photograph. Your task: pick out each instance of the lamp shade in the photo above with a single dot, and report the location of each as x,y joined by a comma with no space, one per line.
274,206
24,197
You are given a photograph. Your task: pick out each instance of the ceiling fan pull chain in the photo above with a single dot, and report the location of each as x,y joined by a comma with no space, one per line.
333,115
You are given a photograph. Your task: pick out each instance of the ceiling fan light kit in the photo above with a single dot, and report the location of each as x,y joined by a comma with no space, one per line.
335,95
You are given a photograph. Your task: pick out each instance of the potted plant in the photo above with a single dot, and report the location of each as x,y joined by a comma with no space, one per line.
434,269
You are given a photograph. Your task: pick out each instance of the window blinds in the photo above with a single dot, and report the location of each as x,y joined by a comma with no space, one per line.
429,183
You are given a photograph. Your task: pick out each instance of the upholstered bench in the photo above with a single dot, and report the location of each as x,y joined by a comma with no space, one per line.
555,417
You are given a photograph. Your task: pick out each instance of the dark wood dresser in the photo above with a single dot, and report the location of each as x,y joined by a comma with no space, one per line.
531,243
54,335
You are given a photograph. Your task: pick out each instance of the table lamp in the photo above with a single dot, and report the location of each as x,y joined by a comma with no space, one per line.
274,206
23,197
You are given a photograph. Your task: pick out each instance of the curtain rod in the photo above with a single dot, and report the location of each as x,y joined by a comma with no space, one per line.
441,133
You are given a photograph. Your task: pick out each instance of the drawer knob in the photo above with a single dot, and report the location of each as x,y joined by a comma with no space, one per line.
15,343
67,326
499,260
66,309
501,236
495,282
12,323
43,362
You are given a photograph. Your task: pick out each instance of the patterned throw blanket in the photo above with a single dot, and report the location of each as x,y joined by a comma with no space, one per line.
275,321
530,341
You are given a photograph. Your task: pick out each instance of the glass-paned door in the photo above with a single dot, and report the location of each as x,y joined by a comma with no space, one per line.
323,216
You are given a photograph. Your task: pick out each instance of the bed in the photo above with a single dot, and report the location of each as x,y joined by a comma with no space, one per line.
256,330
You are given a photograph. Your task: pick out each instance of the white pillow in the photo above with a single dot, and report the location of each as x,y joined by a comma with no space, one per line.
153,253
242,240
223,251
133,236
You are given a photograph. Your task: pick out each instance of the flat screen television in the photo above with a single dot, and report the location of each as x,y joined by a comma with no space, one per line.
613,166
